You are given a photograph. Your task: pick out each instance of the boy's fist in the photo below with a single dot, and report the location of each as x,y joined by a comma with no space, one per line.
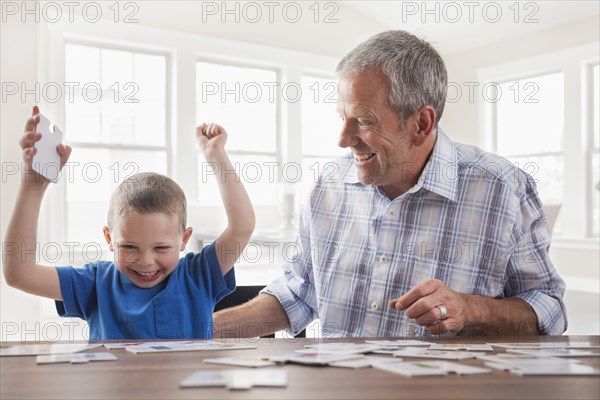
210,137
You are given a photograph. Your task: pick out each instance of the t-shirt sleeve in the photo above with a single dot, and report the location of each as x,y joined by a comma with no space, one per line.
78,288
205,270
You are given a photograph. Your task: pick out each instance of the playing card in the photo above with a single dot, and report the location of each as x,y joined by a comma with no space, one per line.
46,161
426,353
398,343
364,362
124,345
523,359
458,346
197,346
241,361
555,353
236,378
37,349
314,358
78,358
412,368
339,348
547,345
557,369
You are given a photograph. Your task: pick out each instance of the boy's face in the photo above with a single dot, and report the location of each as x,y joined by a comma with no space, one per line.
147,246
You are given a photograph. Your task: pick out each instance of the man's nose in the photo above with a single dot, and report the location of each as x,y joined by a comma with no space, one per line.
348,136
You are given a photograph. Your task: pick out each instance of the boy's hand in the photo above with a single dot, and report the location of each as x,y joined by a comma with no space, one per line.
211,138
31,178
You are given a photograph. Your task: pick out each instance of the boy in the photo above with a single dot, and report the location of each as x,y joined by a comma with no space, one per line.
147,292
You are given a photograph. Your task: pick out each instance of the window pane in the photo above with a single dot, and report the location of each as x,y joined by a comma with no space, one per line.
124,100
259,174
595,231
321,123
596,106
530,115
312,168
548,172
92,175
243,100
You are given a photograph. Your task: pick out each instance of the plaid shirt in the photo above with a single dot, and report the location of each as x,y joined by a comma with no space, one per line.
473,221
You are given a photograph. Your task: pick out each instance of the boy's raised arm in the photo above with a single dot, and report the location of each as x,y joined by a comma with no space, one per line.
19,264
211,139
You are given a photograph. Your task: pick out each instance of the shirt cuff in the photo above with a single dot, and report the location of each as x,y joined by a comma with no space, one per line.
550,312
299,313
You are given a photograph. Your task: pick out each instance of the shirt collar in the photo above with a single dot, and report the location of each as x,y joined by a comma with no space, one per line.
440,174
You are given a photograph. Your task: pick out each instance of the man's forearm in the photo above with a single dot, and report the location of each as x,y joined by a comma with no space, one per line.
261,316
499,317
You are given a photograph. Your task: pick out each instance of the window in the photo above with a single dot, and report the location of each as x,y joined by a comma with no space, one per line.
321,127
115,120
529,130
244,101
594,185
544,118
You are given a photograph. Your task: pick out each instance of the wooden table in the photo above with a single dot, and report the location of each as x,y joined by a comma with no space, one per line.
157,376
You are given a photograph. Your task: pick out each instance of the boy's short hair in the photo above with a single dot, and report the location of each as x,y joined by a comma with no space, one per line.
148,193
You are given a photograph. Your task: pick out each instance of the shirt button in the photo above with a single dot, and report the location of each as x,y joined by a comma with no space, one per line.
383,259
392,213
374,306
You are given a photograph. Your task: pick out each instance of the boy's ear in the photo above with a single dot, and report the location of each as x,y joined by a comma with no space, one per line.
106,232
186,236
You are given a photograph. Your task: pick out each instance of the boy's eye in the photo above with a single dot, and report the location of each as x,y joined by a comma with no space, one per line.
161,248
128,247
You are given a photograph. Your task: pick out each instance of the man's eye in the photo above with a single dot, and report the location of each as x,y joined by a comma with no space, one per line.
362,122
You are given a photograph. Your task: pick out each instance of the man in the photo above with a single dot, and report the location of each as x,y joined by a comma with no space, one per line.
414,233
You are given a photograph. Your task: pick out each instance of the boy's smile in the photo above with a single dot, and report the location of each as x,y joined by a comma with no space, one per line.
147,246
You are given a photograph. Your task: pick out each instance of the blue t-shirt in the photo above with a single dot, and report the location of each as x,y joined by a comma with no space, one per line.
179,307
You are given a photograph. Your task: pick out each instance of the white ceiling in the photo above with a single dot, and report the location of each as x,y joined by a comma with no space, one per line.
358,20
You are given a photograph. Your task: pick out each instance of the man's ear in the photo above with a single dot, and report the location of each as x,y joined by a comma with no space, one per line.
106,232
186,236
425,119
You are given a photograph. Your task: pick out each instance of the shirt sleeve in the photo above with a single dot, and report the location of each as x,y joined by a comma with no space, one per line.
295,290
531,275
206,272
78,289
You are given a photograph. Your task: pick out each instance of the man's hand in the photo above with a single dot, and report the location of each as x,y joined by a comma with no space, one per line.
422,301
210,138
31,179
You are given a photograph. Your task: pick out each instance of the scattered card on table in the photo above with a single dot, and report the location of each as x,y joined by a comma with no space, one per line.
236,378
555,353
314,358
46,348
124,345
78,358
560,369
547,345
339,348
412,368
241,361
426,353
197,346
364,362
464,347
398,343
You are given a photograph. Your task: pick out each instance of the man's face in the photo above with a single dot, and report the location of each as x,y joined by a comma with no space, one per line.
146,246
372,130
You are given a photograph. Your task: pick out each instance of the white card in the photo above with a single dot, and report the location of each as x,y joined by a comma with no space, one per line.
240,361
198,346
313,358
464,347
46,161
124,345
398,343
547,345
555,353
78,358
523,359
364,362
412,368
37,349
560,369
339,348
426,353
236,378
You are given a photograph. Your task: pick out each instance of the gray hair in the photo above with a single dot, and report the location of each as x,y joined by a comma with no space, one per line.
148,193
415,71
